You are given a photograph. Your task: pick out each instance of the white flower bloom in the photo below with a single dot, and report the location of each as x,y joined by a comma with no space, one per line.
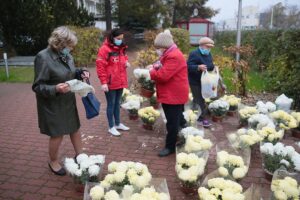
97,159
112,195
97,192
127,191
81,157
192,131
94,170
139,73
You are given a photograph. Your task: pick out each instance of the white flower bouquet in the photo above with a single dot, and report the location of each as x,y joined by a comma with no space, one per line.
244,138
132,106
218,107
231,165
148,115
189,168
134,97
85,168
258,121
125,173
271,135
157,190
233,101
191,131
196,143
276,155
265,108
144,79
190,116
245,113
283,103
220,189
284,120
285,185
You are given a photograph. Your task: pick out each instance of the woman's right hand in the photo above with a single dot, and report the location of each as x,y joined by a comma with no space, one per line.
104,88
62,88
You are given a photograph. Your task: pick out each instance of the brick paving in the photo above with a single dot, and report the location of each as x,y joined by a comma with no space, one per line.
24,174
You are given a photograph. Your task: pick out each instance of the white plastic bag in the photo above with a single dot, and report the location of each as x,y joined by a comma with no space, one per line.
283,103
209,83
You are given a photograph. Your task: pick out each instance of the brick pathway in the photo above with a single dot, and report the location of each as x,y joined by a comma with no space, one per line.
24,173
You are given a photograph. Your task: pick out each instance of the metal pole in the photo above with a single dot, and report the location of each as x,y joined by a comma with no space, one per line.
239,25
272,15
6,65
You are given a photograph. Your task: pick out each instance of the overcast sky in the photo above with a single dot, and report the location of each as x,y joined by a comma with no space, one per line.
229,7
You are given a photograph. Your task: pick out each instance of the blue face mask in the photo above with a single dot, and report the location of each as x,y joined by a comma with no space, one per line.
66,51
204,51
118,42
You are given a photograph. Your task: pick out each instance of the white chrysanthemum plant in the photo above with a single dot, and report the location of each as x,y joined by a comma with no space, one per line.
245,113
215,187
85,168
148,115
189,168
271,135
285,185
274,156
134,97
259,121
190,117
125,173
244,138
132,106
232,162
283,103
233,102
144,78
284,120
218,107
157,190
265,108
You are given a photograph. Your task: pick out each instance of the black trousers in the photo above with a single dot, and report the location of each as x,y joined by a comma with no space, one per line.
175,119
198,100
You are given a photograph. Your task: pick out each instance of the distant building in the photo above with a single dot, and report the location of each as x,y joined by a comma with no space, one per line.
250,20
92,6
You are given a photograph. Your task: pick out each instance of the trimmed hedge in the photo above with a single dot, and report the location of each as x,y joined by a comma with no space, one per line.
89,40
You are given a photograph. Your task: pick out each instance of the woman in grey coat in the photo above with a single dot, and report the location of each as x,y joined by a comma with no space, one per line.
56,105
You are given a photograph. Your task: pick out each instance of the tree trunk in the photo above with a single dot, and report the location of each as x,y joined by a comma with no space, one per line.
108,14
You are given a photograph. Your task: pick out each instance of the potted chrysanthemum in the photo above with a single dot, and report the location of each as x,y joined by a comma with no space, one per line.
233,102
148,115
147,85
218,109
153,101
84,169
296,131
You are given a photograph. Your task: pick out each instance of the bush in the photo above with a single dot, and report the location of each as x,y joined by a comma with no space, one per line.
146,57
89,40
275,51
181,38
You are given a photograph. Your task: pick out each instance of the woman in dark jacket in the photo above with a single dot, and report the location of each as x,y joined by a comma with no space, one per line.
200,60
56,105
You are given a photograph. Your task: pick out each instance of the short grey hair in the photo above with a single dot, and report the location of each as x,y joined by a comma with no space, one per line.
62,37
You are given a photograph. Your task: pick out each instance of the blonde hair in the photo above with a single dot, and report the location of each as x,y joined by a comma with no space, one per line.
62,37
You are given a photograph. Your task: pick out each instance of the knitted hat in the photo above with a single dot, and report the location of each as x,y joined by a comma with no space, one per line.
206,41
164,40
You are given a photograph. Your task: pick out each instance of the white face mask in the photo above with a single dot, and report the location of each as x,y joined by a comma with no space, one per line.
159,52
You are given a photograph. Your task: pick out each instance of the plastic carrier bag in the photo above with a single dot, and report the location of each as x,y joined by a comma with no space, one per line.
209,83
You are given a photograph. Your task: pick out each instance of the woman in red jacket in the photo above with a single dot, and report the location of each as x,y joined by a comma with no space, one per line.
172,86
112,62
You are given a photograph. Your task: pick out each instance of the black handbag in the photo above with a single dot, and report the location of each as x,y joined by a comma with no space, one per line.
91,104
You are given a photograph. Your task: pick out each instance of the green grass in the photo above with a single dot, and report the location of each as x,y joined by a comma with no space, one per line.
17,75
256,81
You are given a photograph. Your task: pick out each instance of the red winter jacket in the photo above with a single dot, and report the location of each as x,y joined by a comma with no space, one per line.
171,79
111,65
